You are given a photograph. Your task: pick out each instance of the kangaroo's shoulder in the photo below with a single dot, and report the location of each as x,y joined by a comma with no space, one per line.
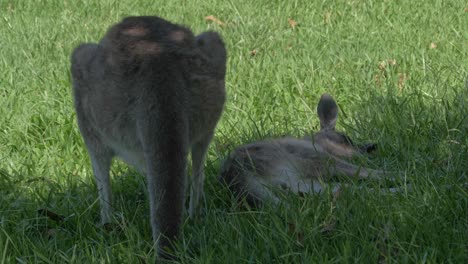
82,58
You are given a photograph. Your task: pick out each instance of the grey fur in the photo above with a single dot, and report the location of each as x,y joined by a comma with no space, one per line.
301,165
149,93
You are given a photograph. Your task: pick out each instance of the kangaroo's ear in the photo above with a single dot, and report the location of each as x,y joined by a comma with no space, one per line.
200,40
327,111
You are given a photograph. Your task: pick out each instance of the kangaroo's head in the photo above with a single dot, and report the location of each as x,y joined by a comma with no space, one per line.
328,138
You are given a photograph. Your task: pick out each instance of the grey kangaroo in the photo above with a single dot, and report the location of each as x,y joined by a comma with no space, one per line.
149,93
300,165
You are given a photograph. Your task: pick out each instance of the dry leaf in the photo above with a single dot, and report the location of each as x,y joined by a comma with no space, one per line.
466,9
402,77
377,79
382,65
329,226
253,52
292,23
49,233
51,215
326,17
215,20
433,45
300,238
292,228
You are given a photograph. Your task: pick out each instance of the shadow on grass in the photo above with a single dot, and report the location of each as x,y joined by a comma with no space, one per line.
422,138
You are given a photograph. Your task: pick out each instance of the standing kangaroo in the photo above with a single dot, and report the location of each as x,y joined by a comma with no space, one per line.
148,93
299,165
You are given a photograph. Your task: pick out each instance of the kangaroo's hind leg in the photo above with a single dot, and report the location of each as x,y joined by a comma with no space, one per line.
101,159
343,167
199,150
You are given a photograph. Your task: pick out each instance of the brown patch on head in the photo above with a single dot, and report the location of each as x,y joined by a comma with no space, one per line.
178,36
135,31
340,145
336,149
402,78
147,48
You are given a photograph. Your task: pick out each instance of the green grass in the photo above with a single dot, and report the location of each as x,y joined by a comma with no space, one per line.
416,110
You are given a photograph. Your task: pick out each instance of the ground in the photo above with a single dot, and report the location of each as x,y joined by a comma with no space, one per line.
398,70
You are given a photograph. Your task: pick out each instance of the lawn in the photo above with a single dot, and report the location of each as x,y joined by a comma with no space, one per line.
398,70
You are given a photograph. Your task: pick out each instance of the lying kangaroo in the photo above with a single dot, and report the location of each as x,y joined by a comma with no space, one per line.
299,165
147,93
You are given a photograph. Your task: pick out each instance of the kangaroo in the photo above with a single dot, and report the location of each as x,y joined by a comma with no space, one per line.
300,165
149,92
